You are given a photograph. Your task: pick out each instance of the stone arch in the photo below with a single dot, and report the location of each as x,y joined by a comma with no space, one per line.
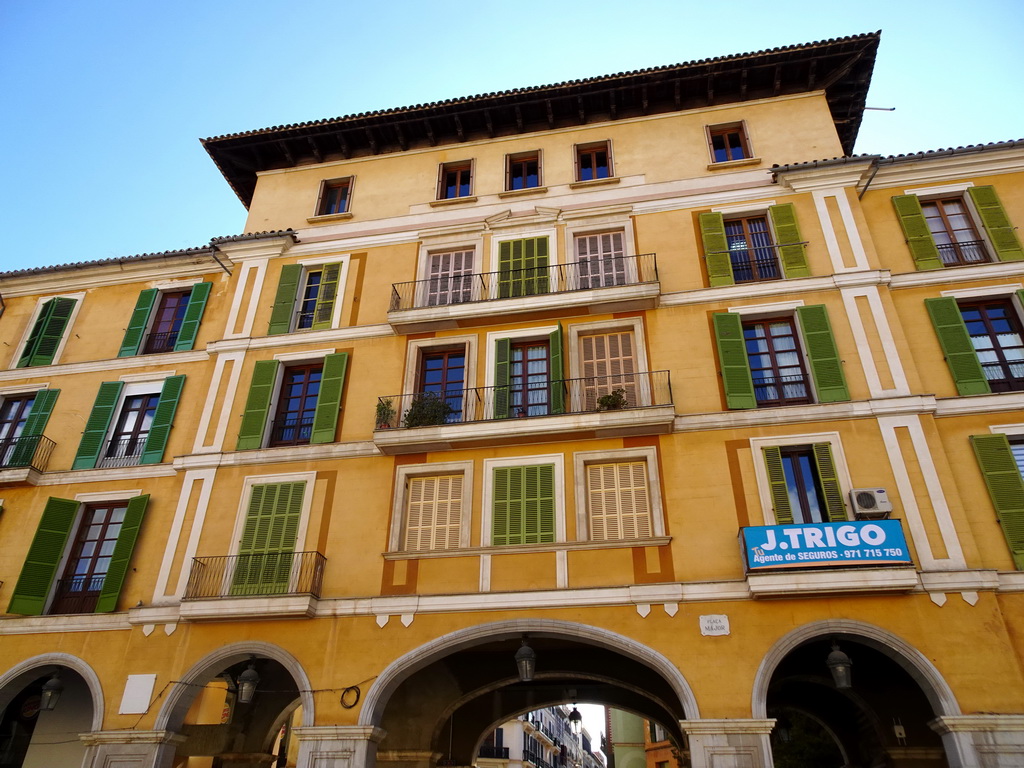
20,674
915,663
377,697
173,711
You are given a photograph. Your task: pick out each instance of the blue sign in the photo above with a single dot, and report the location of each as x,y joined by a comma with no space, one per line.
861,542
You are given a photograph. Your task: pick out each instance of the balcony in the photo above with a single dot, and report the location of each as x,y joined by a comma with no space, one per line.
23,458
267,585
494,753
157,343
76,594
123,451
594,286
964,253
603,406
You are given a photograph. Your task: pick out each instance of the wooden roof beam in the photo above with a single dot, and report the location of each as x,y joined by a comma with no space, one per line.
458,128
489,122
314,149
551,113
711,87
430,132
678,94
343,144
371,140
743,84
612,109
644,101
582,112
777,85
283,146
403,142
519,119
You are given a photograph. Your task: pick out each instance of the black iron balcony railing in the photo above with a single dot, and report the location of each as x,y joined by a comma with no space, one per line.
466,288
267,573
967,252
760,262
781,390
533,398
77,594
498,753
291,430
32,452
123,451
161,342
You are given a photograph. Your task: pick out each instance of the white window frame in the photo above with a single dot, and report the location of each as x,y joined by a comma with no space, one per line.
68,329
930,194
746,139
757,444
506,235
320,196
311,264
309,478
306,357
416,348
523,334
423,272
398,507
487,502
134,385
632,324
582,459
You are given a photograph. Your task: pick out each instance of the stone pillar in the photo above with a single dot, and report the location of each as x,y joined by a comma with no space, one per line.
982,741
729,743
338,746
130,749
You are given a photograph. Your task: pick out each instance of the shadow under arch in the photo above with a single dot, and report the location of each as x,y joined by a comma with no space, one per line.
914,663
14,679
401,668
172,713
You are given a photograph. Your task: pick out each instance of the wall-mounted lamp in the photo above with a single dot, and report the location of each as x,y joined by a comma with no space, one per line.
52,689
840,666
247,682
575,720
526,661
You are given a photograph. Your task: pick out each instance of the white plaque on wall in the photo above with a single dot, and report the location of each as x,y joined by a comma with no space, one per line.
138,690
714,624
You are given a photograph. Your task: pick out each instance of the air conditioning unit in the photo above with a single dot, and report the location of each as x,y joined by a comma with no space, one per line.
870,503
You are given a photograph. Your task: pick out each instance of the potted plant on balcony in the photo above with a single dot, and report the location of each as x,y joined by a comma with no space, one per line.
613,401
426,410
385,413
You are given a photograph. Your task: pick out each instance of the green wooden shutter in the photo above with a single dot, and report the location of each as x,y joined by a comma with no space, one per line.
919,238
35,424
268,539
96,427
284,301
829,479
328,403
47,332
502,376
777,486
257,405
957,346
820,346
523,267
732,356
43,557
193,316
138,323
716,249
540,264
556,366
1003,479
792,251
327,294
524,505
163,418
122,555
505,269
993,217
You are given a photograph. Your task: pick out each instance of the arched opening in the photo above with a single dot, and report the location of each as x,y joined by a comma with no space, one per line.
878,717
46,703
239,707
438,704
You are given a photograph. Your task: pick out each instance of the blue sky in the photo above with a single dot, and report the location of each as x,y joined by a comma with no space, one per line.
104,101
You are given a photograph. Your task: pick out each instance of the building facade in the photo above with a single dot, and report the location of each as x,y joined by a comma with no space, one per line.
647,374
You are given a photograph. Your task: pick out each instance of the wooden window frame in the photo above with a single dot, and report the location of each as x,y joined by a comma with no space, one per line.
796,333
278,412
521,158
977,241
86,599
1008,383
326,187
592,148
459,167
170,336
725,129
752,262
399,506
584,459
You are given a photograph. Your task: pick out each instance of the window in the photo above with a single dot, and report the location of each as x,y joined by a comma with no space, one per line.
728,142
982,343
431,506
96,562
762,361
753,248
804,484
443,373
306,298
450,278
14,413
523,510
593,161
607,363
942,231
523,267
528,376
522,171
1000,459
267,543
601,260
455,180
305,398
47,332
23,419
619,501
165,321
141,420
334,197
296,405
